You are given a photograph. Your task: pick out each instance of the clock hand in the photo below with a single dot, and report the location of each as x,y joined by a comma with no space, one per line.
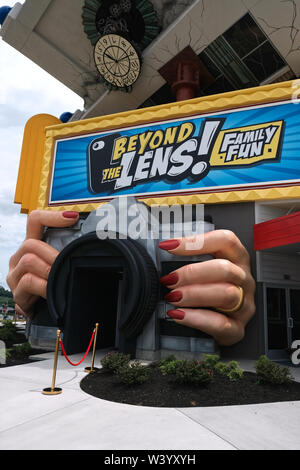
123,57
105,53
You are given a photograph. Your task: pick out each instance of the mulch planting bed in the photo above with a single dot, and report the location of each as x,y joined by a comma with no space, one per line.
161,391
18,361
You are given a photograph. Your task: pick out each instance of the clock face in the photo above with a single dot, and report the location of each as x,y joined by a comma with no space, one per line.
117,60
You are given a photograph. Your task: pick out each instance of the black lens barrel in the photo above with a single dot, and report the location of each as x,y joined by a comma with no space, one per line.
141,285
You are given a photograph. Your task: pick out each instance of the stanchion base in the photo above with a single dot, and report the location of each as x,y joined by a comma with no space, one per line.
89,369
49,391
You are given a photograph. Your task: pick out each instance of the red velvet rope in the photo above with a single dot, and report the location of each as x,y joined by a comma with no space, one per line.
72,363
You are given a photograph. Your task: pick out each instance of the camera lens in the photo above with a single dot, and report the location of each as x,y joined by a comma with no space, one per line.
113,282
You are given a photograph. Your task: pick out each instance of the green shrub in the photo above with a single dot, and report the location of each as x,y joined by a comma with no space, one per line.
9,324
221,368
21,350
231,370
166,360
270,372
232,365
7,331
235,374
169,367
132,374
192,372
210,360
112,361
8,354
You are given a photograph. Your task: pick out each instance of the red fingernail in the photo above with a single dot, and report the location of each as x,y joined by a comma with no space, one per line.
174,296
176,314
70,215
170,279
169,245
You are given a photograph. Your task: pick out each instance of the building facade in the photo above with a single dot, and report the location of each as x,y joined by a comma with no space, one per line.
233,45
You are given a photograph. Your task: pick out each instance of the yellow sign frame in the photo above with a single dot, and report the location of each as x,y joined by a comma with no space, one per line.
33,185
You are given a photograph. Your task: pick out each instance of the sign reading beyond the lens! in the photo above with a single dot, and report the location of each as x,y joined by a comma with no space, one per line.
234,149
177,153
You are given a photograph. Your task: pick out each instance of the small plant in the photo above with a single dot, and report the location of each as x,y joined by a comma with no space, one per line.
169,367
221,368
8,331
232,365
235,374
21,350
231,370
132,374
112,361
166,360
192,372
7,354
210,360
270,372
9,324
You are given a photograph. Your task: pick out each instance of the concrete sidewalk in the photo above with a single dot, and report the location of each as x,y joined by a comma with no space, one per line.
75,420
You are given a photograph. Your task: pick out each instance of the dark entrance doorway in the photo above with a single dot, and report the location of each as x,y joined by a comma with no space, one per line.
283,319
94,299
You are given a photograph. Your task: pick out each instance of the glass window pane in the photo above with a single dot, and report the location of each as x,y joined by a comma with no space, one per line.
295,304
276,306
245,36
232,68
264,62
276,314
211,67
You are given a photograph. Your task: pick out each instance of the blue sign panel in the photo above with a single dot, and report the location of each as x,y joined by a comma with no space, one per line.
239,149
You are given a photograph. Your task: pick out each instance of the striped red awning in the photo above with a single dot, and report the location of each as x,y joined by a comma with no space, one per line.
277,232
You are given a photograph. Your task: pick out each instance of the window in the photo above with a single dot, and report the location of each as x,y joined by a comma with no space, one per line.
242,57
245,36
264,62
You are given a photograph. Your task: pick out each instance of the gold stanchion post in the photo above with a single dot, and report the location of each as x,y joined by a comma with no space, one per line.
92,368
54,390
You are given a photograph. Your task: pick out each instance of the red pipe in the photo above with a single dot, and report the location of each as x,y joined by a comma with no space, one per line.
187,83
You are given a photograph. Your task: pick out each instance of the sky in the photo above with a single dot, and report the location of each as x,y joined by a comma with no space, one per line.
25,90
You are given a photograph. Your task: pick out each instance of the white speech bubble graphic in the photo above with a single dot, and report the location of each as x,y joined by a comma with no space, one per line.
98,145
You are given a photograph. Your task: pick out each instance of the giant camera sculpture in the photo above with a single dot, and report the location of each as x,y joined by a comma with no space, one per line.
113,279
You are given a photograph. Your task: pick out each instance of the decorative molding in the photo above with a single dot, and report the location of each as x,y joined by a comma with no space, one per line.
145,9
